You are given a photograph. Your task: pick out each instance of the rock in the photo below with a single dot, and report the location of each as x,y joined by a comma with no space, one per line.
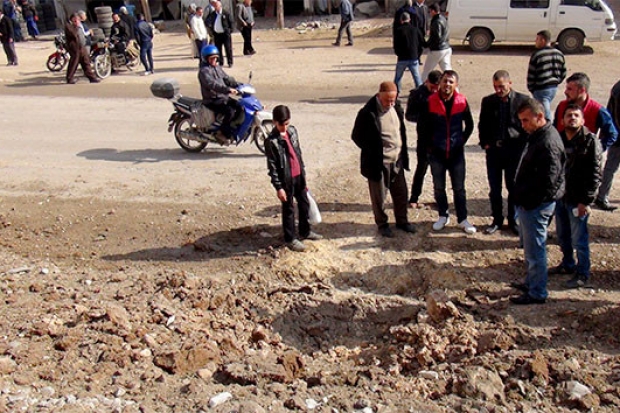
479,382
249,406
7,365
440,307
494,340
119,317
295,403
186,361
293,364
259,334
573,393
312,404
429,375
540,369
368,9
219,399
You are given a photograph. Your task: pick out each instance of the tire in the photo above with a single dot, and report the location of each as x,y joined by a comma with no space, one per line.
261,133
103,65
571,41
480,40
56,62
187,144
103,10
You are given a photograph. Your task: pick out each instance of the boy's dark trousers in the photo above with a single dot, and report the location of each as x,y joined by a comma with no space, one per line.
288,210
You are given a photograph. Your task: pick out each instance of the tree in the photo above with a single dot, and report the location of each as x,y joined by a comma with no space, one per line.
280,14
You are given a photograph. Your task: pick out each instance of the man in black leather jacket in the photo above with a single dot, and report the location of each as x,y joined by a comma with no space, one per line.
440,52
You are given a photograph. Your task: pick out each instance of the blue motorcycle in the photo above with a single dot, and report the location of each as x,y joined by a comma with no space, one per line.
195,125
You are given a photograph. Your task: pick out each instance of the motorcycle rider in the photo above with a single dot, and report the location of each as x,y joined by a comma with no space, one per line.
216,87
119,34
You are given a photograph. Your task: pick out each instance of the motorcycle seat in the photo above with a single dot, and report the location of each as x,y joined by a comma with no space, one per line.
189,102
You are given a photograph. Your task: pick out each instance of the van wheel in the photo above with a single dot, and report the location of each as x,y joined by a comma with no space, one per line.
571,41
480,40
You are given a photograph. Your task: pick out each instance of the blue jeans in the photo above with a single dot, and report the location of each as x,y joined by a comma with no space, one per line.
545,96
573,235
455,166
146,55
611,166
533,225
412,65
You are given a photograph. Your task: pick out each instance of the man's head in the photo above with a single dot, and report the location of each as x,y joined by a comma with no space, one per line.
198,11
543,38
405,18
577,87
210,54
140,16
573,118
281,117
247,2
218,6
448,84
388,92
531,113
82,15
432,80
502,83
420,1
75,19
116,18
123,10
434,9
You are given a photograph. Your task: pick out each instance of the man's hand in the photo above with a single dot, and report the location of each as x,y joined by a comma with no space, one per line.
233,91
282,195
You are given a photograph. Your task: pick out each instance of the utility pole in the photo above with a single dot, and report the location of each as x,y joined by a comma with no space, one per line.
280,14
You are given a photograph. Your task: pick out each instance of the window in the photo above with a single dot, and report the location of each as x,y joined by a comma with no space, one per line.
529,4
592,4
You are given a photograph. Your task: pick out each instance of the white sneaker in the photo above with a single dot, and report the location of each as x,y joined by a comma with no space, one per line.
441,223
147,73
467,227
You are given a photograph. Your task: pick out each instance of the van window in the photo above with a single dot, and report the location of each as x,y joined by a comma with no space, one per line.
593,4
529,4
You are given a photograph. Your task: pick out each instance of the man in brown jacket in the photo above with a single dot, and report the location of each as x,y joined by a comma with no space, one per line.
76,46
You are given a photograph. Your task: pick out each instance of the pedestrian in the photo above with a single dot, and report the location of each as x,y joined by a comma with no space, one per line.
422,16
539,183
144,37
76,46
380,133
245,23
446,124
199,29
407,7
130,21
546,70
87,32
417,101
503,140
440,52
288,177
407,44
29,12
346,17
613,154
7,39
220,24
583,173
189,14
10,9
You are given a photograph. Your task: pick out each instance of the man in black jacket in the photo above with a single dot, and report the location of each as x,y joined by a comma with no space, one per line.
440,52
584,155
503,140
539,183
407,43
7,39
380,133
220,24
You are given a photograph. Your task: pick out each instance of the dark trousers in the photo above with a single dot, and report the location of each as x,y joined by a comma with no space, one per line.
396,184
345,25
223,41
80,57
501,161
9,49
455,166
199,45
420,172
146,56
288,210
17,31
246,33
227,109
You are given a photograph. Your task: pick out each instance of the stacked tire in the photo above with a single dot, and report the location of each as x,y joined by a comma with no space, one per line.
98,35
48,16
104,19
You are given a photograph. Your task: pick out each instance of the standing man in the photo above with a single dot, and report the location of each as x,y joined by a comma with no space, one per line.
346,17
9,8
144,37
438,43
582,175
245,22
539,183
7,39
197,24
546,70
613,154
503,140
76,46
380,133
129,21
220,23
446,124
87,32
422,16
407,43
417,102
407,7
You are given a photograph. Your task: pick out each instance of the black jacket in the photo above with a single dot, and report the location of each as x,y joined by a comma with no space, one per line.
227,22
540,176
489,128
439,34
407,42
6,29
277,154
367,136
143,32
583,167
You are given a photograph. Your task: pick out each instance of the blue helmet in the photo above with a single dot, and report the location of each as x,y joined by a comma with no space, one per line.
209,50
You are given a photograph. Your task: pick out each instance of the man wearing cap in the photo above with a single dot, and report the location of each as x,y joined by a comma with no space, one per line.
379,131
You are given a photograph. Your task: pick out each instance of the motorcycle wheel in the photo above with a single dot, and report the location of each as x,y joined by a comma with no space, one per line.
261,133
103,66
185,125
56,62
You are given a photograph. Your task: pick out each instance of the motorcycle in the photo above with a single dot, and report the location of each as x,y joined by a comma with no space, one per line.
107,58
58,60
195,125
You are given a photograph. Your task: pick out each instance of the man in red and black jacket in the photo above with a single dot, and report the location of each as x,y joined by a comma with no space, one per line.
446,126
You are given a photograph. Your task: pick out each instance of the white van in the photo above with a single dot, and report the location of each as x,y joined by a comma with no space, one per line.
481,22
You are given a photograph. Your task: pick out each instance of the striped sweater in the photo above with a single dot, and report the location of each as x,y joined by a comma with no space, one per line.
547,69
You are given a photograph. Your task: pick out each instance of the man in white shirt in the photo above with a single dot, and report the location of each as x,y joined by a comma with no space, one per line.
199,29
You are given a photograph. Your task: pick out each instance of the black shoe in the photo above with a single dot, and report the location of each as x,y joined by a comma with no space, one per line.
561,270
349,44
335,44
526,299
72,81
520,286
229,65
95,80
408,227
386,232
605,206
491,229
577,281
